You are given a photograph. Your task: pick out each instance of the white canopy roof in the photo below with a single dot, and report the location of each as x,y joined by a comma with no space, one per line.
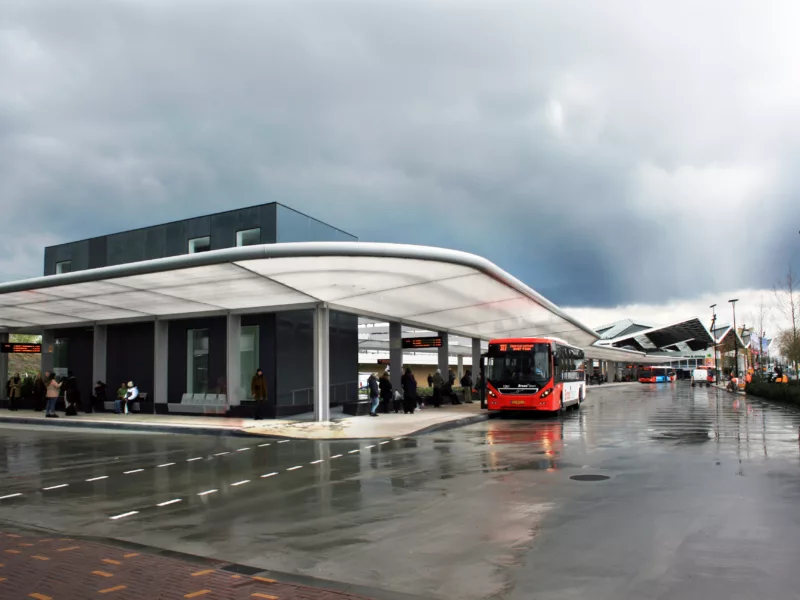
433,288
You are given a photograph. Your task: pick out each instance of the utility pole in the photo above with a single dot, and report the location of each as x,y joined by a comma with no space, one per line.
735,345
713,321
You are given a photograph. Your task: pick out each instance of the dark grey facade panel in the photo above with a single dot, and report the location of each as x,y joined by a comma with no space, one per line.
80,349
294,362
129,357
343,357
277,224
176,355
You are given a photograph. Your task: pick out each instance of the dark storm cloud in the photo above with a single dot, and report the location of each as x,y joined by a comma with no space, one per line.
604,153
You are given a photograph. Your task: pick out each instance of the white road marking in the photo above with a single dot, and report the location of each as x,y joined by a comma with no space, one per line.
98,478
10,496
221,453
168,502
284,441
195,458
262,445
354,451
123,515
337,456
395,439
386,442
55,487
269,474
368,447
134,471
295,468
315,462
165,465
242,449
240,482
207,492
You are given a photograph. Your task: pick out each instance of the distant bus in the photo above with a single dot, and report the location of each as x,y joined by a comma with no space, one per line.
534,374
657,375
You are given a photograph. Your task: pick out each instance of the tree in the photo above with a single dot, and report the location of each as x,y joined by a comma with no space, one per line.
787,299
759,318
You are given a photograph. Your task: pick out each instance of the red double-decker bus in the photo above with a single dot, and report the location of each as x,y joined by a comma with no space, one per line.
534,374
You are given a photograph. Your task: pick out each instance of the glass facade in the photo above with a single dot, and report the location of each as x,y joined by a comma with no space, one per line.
293,226
197,361
248,357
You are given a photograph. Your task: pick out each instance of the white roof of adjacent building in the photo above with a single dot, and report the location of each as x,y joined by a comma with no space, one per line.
431,288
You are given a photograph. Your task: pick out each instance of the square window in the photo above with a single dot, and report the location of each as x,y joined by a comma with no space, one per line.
201,244
248,237
65,266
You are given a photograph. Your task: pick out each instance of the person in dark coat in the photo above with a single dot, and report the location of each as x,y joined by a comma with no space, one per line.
451,377
258,389
385,387
14,391
100,395
40,391
409,385
437,381
374,395
72,395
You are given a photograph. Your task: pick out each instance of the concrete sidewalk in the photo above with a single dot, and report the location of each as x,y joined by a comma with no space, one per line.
341,427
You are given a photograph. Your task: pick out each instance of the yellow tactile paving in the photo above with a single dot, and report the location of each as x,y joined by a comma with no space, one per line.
265,580
102,574
116,588
198,593
25,544
111,561
67,549
266,596
39,557
14,551
131,555
205,572
39,596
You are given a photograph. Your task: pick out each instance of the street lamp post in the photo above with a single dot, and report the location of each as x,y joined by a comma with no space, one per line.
735,345
713,321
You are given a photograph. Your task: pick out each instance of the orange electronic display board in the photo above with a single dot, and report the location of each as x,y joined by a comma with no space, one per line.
423,342
12,348
513,347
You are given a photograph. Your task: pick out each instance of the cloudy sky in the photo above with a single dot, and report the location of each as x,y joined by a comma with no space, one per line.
618,156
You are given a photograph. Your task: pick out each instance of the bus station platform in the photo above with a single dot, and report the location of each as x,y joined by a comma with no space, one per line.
340,427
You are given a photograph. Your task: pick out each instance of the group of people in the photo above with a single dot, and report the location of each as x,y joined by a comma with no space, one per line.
382,394
49,387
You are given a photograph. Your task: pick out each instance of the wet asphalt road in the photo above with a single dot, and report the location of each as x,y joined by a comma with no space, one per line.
701,500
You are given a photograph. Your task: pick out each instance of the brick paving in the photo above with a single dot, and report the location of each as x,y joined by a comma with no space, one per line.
42,568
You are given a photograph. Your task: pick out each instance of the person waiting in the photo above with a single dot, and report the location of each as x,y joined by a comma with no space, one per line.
14,391
258,389
119,401
53,391
385,387
131,395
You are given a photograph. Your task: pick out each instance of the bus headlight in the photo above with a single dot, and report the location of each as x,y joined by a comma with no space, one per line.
546,393
492,394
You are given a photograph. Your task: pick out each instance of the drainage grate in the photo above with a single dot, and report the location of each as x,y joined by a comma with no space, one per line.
590,477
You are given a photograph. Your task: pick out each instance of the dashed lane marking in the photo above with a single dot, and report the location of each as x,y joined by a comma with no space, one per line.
164,465
98,478
55,487
269,474
264,445
242,449
132,472
221,453
336,456
368,447
242,482
207,492
354,451
123,515
386,442
284,441
295,468
195,458
168,502
315,462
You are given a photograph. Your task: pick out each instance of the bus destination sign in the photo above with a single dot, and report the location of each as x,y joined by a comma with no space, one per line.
12,348
423,342
514,347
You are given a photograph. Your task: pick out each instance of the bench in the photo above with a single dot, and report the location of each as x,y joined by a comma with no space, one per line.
133,405
356,409
202,404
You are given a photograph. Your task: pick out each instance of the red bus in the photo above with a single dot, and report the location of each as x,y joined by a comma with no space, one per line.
534,374
657,375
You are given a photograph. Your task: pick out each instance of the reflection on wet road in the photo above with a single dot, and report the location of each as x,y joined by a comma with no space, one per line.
699,501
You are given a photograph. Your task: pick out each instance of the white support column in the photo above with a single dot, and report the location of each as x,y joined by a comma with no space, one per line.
322,405
48,344
234,368
160,358
444,355
396,353
3,366
99,354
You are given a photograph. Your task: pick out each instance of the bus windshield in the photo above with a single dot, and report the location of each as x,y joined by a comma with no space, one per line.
506,364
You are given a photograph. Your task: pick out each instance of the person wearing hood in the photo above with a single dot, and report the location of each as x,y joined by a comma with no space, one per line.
437,381
131,395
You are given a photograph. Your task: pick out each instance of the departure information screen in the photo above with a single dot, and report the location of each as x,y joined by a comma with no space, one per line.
423,342
12,348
